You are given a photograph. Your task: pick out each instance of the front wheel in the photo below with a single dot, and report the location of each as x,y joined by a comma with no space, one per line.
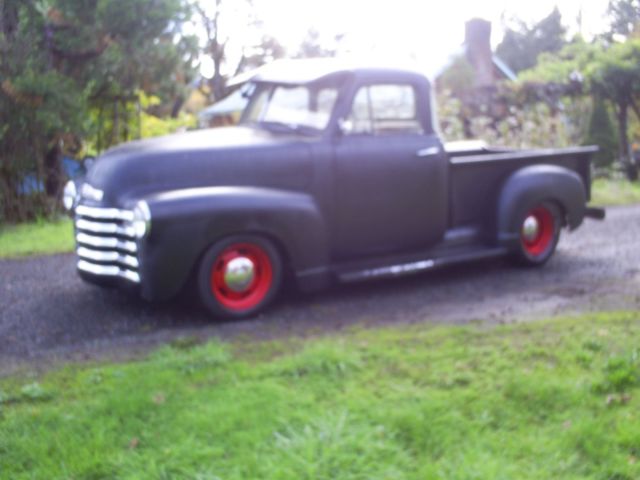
539,234
239,276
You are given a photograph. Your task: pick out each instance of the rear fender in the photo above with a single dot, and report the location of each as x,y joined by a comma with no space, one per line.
529,186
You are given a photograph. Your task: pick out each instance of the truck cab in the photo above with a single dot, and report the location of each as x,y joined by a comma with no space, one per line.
335,173
385,163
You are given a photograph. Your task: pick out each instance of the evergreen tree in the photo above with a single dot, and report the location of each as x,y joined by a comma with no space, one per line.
601,132
624,17
59,59
522,44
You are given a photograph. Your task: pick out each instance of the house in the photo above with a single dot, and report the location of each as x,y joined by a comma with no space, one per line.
489,68
227,111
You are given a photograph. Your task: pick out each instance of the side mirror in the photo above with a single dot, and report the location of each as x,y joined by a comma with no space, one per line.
345,126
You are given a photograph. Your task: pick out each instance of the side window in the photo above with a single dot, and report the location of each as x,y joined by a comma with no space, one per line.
361,112
385,109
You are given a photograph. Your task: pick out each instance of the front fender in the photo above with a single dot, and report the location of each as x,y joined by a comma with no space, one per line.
186,222
529,186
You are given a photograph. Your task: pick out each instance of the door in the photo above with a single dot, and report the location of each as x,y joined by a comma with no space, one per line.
390,182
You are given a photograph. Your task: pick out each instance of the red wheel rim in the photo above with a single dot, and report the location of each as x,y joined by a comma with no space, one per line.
537,243
255,290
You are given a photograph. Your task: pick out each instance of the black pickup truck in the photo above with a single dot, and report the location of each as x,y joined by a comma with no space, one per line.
335,173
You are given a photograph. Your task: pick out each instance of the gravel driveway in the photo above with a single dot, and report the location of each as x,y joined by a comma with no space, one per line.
47,313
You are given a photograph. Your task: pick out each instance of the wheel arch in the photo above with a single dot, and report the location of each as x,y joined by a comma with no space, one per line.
533,185
184,228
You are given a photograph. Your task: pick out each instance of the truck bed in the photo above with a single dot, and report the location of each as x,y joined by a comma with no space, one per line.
477,173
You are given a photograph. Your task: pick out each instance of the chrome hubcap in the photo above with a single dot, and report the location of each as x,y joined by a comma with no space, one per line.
239,273
530,228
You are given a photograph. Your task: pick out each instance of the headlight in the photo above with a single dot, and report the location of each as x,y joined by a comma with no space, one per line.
141,219
69,195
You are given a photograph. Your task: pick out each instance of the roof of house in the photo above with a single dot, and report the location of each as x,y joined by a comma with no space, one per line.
229,104
502,68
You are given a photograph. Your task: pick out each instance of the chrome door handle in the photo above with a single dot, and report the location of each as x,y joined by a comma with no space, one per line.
427,152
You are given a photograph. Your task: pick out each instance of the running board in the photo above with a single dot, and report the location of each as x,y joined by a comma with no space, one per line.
418,266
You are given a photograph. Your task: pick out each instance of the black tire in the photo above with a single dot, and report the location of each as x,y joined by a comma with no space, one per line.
535,250
214,291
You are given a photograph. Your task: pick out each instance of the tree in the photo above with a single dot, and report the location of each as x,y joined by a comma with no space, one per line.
210,16
59,59
268,50
624,17
616,77
601,132
220,45
611,72
522,44
314,46
573,60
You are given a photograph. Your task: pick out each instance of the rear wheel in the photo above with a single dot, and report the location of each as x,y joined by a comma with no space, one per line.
539,234
239,276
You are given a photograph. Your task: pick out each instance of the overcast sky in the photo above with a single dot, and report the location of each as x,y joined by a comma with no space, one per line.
426,32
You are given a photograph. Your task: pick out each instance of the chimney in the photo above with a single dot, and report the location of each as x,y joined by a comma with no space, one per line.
478,46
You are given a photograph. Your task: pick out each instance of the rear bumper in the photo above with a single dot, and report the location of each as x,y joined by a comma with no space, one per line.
596,213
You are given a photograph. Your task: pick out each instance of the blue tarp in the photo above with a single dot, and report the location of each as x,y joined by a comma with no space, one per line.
71,168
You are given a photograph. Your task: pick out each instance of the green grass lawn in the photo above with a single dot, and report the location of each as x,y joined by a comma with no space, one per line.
614,192
36,238
558,399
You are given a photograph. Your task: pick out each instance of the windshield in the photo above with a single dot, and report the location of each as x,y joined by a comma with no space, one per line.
300,108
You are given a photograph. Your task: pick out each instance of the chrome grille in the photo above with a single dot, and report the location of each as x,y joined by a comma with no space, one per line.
105,242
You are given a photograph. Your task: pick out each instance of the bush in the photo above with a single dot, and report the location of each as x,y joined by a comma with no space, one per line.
525,125
601,132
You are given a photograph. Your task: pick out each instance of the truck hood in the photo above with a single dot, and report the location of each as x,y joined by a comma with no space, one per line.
232,156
